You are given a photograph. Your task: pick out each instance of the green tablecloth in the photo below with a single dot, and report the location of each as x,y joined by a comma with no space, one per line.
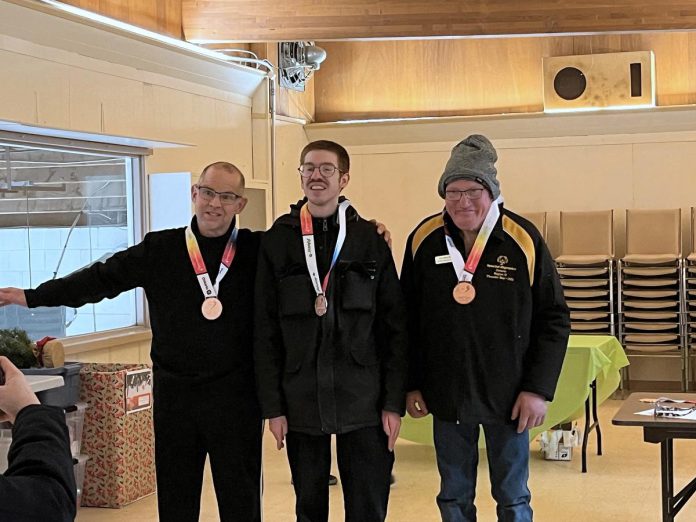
589,357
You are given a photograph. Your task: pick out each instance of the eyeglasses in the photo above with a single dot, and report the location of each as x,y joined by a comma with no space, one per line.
669,408
456,195
226,198
325,169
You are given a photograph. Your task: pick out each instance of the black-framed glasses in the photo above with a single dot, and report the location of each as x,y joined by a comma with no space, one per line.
208,194
670,408
325,169
471,194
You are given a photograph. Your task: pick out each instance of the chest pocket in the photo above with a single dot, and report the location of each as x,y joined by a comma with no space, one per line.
295,295
358,286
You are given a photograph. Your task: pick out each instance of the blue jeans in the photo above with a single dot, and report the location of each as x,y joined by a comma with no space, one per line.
456,446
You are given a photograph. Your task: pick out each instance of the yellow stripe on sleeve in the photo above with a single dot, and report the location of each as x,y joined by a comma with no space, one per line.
524,241
424,230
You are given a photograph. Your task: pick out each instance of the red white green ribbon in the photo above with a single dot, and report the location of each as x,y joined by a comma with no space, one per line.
465,271
209,288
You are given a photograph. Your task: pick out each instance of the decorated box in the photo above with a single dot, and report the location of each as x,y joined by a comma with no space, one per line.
119,442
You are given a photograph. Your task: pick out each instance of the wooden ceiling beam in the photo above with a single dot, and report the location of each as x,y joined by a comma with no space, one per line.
271,20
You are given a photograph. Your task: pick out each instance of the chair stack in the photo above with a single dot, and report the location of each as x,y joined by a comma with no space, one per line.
538,219
690,300
586,268
650,282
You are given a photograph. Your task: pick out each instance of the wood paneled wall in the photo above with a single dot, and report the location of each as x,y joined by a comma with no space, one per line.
418,78
162,16
271,20
294,104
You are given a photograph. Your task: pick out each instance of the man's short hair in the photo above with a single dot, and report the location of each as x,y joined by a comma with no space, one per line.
331,146
227,167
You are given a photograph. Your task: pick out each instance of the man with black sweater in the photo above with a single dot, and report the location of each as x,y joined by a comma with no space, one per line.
201,316
330,344
39,483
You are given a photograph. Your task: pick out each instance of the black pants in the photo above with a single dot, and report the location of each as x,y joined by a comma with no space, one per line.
192,421
364,463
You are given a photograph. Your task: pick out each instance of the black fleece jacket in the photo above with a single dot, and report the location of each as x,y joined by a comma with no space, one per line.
471,361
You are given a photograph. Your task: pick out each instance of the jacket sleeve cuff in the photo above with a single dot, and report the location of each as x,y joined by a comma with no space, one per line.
533,389
30,296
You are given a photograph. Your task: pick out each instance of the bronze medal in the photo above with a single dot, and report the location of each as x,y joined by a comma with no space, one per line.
320,305
464,292
211,308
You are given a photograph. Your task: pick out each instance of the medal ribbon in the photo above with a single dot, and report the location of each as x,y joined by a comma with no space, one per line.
308,244
465,271
209,288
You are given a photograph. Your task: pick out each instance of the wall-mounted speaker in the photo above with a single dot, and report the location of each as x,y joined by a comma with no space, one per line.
599,81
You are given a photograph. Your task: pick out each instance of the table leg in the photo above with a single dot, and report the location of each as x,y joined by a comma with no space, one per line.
589,426
586,435
666,458
595,417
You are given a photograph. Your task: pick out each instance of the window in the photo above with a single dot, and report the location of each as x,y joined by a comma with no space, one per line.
64,206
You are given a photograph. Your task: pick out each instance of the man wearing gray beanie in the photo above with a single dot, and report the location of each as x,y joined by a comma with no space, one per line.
488,329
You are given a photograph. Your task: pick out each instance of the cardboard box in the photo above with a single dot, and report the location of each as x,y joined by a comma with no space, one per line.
121,446
559,452
557,444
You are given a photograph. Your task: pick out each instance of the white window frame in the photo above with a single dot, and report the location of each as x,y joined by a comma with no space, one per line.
137,215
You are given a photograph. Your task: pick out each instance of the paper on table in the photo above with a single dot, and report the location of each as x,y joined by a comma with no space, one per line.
651,412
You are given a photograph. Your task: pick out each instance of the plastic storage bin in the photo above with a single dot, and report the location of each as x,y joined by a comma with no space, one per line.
63,397
75,419
79,465
5,441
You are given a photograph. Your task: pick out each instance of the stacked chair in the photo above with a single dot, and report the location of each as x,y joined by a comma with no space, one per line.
586,268
538,219
650,287
690,299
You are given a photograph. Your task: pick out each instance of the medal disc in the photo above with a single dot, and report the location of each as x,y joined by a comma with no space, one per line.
320,305
211,308
464,292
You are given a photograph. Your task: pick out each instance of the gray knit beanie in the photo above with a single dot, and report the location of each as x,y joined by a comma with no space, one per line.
472,158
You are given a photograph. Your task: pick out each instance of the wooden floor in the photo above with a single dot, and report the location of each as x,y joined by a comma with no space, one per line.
622,485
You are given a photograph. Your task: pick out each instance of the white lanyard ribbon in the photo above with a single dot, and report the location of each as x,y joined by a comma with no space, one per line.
308,245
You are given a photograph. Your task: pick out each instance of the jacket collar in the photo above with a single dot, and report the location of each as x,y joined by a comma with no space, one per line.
199,236
293,217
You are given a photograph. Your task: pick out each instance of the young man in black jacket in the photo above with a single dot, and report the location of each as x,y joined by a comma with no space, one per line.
488,331
201,315
330,343
39,483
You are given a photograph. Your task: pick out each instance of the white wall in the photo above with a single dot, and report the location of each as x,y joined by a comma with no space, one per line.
290,140
564,163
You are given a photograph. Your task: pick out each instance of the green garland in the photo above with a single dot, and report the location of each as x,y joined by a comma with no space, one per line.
17,347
